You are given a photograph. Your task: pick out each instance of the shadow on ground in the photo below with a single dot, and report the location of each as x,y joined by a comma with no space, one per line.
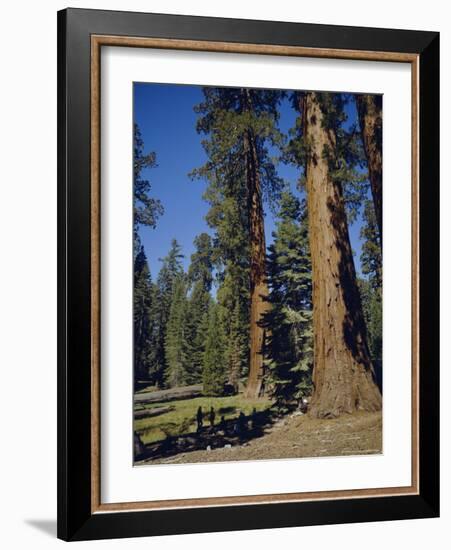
232,433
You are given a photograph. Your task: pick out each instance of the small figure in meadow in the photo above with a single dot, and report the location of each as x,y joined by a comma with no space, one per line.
254,419
242,421
212,417
222,425
240,425
200,419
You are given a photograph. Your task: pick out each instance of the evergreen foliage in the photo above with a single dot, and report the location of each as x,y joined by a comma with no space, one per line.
142,316
371,257
182,334
214,361
233,300
289,351
371,286
227,216
145,212
175,343
170,271
200,277
347,160
146,209
228,117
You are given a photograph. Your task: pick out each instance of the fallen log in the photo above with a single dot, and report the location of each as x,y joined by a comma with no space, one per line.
155,411
162,396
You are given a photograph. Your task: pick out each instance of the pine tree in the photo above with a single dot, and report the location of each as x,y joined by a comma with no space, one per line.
196,326
371,257
142,319
145,212
371,287
201,266
214,364
170,271
228,216
200,278
240,122
175,343
146,209
289,351
233,301
343,373
197,350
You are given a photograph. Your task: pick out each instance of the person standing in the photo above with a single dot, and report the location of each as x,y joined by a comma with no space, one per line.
222,426
212,417
199,418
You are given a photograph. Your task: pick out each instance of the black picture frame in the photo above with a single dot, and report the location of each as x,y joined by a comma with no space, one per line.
75,518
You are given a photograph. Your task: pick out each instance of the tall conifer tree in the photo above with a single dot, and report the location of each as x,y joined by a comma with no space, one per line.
371,286
170,271
146,209
142,318
239,123
289,351
214,364
343,374
200,278
176,342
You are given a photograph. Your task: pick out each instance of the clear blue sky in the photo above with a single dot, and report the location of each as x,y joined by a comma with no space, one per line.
165,115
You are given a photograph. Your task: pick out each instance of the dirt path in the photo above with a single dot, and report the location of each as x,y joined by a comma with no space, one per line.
298,436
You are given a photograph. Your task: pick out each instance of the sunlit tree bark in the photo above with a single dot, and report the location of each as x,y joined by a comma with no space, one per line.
258,284
343,375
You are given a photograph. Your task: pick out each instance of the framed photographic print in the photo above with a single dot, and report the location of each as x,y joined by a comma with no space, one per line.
248,274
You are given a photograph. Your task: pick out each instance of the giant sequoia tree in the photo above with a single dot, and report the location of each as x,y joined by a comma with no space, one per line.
239,123
369,108
343,374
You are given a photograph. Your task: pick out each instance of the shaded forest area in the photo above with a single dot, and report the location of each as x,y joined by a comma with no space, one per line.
290,323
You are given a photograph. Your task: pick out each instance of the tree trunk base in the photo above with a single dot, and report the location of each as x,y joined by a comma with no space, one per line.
364,395
255,391
343,371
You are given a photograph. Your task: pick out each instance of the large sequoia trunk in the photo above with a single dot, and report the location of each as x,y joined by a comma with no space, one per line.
258,284
369,108
343,375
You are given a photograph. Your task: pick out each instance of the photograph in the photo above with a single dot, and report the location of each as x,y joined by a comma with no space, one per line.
257,273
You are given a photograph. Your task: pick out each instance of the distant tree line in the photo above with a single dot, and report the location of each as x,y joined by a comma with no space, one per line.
291,320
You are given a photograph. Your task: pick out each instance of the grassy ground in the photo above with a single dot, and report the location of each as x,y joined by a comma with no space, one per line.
298,436
182,419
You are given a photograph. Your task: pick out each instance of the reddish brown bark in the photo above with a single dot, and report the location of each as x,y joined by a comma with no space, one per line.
369,108
343,375
258,284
